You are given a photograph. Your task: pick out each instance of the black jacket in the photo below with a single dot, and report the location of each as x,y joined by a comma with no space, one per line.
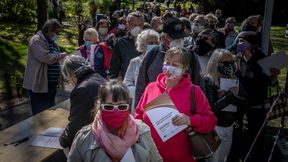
217,104
82,100
123,51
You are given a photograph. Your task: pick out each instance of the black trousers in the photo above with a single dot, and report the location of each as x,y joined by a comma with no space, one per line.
43,101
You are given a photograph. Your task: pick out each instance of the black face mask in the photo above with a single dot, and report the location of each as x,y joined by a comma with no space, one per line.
202,47
227,69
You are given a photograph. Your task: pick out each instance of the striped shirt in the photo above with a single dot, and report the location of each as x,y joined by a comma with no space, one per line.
53,69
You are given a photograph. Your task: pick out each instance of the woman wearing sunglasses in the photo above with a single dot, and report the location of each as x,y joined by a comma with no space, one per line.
176,82
114,132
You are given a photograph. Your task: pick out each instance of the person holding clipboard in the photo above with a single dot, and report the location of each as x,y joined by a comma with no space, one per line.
176,82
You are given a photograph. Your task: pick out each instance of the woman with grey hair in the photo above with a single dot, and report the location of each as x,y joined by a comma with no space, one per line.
43,67
82,97
145,41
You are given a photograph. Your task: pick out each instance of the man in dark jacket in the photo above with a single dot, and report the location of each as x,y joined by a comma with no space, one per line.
172,36
82,97
125,50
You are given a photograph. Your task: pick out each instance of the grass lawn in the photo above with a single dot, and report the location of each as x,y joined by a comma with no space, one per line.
14,46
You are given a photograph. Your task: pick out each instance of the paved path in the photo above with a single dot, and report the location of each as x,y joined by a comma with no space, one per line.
9,117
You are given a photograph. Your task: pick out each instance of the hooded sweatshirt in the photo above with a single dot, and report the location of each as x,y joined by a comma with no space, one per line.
178,147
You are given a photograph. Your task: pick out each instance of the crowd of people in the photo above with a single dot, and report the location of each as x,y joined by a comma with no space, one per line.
153,53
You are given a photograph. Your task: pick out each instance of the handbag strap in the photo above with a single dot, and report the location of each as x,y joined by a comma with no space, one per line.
192,100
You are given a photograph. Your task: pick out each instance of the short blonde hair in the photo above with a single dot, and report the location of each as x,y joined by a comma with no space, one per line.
213,62
89,34
141,40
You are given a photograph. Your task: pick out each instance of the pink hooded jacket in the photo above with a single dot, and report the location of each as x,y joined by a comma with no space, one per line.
178,147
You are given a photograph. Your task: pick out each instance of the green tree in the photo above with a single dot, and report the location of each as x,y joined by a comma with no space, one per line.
42,13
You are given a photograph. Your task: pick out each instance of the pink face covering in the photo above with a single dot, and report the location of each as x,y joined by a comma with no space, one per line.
114,119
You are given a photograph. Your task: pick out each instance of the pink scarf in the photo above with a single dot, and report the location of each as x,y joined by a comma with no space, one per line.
115,146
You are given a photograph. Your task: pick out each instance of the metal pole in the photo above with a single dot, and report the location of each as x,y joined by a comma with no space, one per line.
267,25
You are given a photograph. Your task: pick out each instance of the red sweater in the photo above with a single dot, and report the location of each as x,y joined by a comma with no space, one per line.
178,148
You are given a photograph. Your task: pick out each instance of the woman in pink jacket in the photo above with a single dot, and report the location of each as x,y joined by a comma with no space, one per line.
176,82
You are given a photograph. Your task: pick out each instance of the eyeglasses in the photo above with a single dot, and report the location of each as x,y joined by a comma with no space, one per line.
109,107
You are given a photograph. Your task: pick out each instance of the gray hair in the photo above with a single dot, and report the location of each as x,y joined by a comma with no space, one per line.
74,65
141,40
50,25
89,34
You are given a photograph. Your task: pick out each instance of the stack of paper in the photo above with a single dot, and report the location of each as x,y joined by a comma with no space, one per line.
49,138
278,61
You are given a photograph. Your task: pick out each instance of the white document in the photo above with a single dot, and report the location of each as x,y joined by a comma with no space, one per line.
91,59
128,157
226,84
49,138
161,118
278,60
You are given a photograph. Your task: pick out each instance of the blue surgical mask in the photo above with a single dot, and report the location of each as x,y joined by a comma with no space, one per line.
150,47
88,44
172,72
242,46
54,37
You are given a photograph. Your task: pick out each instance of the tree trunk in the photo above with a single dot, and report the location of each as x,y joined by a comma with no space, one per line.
42,13
118,3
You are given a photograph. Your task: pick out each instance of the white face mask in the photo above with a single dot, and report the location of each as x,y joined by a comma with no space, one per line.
121,26
177,43
103,31
160,27
135,31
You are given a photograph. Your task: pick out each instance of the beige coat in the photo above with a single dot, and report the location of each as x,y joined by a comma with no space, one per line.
39,56
86,148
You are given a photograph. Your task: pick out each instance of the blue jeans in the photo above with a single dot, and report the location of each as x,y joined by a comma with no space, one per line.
43,101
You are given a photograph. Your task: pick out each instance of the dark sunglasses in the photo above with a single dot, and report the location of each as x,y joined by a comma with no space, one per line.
109,107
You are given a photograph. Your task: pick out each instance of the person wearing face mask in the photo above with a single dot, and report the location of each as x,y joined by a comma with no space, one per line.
146,41
224,103
255,83
125,49
199,23
82,98
114,132
175,80
102,56
172,36
43,68
229,32
252,23
205,44
102,29
90,38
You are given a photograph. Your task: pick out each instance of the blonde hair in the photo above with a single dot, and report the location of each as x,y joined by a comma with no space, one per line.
213,62
90,33
141,40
